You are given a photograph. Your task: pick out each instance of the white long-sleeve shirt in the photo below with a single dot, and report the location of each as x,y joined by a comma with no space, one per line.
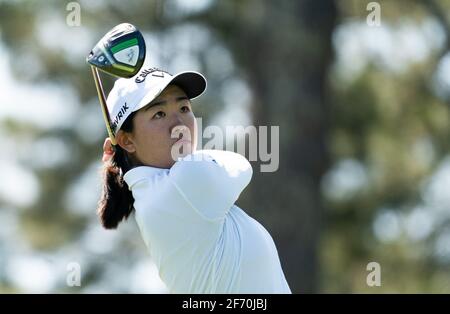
200,241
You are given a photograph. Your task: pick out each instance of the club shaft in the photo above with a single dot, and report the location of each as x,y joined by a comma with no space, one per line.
102,99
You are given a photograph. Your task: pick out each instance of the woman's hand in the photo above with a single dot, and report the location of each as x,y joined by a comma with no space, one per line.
108,150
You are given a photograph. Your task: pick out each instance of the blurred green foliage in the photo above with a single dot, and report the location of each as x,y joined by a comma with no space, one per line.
364,127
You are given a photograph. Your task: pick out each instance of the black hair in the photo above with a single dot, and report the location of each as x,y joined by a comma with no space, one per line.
116,202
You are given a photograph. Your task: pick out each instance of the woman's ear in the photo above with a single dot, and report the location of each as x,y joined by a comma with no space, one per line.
125,140
108,150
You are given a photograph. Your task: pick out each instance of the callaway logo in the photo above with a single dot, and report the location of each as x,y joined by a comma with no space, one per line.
130,55
119,116
141,77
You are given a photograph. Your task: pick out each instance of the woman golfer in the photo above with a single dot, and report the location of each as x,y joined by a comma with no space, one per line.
183,199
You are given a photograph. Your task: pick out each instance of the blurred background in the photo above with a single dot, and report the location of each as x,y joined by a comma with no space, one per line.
362,103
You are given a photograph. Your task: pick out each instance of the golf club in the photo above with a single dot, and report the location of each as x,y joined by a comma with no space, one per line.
121,53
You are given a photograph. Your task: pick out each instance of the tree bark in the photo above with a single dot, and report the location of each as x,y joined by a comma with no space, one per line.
285,49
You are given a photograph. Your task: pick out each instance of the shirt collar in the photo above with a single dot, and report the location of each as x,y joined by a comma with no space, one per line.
137,174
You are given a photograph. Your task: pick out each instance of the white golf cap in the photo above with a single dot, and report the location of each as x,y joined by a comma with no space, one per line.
132,94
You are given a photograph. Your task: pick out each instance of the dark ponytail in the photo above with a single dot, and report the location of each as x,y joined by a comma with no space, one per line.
116,202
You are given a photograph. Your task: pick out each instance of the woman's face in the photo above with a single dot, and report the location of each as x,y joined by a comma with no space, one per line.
158,127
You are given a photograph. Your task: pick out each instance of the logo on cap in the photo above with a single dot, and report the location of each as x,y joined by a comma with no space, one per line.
119,115
141,77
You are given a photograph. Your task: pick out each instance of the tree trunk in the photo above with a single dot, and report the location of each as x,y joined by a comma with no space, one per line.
285,49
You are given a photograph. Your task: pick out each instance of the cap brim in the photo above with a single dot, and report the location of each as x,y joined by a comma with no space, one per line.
192,83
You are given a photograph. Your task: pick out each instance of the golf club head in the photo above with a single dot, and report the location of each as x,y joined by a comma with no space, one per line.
121,52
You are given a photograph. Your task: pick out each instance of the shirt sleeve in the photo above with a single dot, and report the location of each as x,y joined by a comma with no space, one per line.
211,180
